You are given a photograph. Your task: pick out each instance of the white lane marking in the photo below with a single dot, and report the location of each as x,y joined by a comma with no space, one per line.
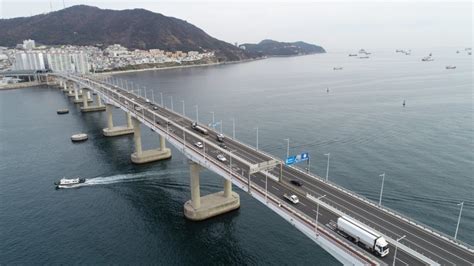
302,204
275,188
320,214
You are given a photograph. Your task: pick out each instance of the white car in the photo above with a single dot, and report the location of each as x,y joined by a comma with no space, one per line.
199,145
138,108
133,99
155,107
146,100
221,158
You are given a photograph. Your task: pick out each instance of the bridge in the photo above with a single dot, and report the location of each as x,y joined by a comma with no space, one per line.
267,179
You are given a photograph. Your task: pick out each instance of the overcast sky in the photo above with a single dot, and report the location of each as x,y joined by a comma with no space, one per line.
336,25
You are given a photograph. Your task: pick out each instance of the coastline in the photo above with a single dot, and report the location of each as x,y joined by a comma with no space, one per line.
176,67
21,85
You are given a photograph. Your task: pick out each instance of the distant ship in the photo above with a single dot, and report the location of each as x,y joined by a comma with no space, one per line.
450,67
352,54
337,68
404,103
427,58
363,57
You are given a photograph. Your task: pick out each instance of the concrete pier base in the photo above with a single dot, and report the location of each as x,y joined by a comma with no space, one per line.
149,156
211,206
93,109
117,131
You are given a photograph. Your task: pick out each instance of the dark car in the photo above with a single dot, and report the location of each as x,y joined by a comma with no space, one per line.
296,183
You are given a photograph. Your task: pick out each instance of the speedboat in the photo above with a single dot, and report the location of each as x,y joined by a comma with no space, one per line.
337,68
450,67
69,182
427,58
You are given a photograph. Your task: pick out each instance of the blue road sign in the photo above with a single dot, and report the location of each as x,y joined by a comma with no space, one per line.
297,158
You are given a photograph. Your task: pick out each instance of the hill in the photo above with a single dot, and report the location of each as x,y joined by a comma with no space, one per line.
135,29
274,48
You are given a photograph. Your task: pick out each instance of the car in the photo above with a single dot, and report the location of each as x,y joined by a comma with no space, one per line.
147,100
125,102
222,145
199,145
137,108
220,137
155,107
221,158
292,198
296,183
133,99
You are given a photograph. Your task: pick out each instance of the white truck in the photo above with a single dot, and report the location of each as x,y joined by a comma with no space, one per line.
199,128
292,198
361,234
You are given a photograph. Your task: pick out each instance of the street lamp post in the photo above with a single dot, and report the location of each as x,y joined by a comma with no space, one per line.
327,168
381,189
161,97
257,138
172,107
317,214
287,148
184,111
153,96
221,126
459,219
396,247
144,88
233,128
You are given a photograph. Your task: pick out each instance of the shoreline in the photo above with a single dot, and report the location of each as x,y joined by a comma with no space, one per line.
178,67
21,85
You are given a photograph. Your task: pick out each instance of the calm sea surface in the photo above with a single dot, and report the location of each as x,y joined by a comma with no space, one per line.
134,214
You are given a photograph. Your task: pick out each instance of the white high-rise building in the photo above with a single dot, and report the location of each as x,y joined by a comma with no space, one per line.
28,44
66,62
29,61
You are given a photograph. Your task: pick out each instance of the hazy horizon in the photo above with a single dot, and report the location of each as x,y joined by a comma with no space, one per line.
337,26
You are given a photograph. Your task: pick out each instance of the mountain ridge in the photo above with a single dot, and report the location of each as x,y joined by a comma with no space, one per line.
132,28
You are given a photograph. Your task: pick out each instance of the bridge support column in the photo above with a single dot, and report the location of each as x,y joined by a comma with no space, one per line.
98,107
64,87
147,156
112,131
202,208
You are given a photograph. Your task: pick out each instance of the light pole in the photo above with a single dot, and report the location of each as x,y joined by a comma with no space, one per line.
327,168
381,189
144,88
221,126
257,138
197,113
266,187
396,247
184,111
233,128
459,219
287,148
161,97
172,108
317,213
153,96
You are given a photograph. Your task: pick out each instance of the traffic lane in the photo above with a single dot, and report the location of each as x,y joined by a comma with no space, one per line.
325,216
386,227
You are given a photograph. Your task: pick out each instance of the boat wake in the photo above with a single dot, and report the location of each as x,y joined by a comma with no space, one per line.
122,178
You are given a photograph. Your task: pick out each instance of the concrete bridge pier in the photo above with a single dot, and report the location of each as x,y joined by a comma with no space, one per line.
91,108
202,208
64,89
110,130
140,156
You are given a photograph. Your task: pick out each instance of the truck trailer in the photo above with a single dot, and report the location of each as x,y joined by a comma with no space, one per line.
361,234
199,128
